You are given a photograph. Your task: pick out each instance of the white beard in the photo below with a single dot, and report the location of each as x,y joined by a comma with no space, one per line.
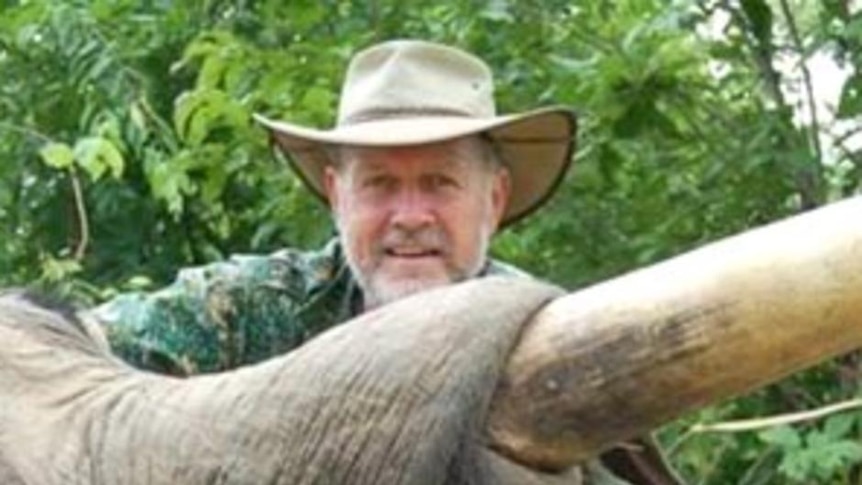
378,290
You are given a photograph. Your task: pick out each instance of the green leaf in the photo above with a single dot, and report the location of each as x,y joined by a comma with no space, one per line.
318,101
839,425
200,112
836,456
572,64
97,155
782,436
498,11
137,116
58,269
211,71
138,283
57,155
208,43
854,28
760,16
821,460
850,104
169,180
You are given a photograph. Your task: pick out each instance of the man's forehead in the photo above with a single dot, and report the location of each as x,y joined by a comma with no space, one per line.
462,152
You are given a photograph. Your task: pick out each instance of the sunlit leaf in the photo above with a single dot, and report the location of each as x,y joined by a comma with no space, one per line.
57,155
98,156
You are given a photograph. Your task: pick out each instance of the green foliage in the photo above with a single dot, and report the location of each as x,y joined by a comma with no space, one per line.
95,155
128,150
823,453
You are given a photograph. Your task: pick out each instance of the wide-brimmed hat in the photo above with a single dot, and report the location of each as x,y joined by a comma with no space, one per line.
408,92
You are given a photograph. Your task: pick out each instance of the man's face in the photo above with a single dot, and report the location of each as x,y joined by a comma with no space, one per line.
415,218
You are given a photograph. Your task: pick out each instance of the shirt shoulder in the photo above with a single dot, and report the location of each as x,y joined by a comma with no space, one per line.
224,314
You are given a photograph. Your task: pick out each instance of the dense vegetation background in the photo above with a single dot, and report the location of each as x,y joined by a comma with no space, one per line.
127,150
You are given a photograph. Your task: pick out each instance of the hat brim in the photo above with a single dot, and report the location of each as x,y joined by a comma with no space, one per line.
536,146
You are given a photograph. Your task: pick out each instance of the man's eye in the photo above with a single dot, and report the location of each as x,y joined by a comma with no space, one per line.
377,182
441,181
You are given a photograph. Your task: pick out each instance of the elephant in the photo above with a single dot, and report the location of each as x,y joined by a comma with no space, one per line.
494,380
395,396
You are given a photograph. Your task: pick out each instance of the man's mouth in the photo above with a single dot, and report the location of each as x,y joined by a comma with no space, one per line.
412,253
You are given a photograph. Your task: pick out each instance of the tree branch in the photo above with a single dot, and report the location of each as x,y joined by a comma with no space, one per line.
77,193
761,54
779,420
806,77
83,221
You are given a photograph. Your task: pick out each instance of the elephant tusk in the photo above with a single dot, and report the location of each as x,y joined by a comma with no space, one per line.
612,361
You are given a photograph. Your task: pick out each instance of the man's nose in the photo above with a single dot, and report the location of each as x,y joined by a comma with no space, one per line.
412,210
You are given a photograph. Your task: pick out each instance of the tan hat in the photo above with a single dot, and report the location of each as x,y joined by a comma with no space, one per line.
409,92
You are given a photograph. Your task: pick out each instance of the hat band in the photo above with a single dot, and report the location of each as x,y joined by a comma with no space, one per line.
365,116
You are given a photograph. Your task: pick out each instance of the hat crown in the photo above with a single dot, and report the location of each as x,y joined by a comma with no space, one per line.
404,78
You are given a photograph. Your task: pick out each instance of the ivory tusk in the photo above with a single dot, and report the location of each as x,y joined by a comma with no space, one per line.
620,358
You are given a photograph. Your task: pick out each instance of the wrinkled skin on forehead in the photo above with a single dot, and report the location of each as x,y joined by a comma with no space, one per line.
396,396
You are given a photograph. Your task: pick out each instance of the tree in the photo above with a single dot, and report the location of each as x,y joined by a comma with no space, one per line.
129,150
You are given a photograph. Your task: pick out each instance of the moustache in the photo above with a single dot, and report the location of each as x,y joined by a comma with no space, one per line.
424,240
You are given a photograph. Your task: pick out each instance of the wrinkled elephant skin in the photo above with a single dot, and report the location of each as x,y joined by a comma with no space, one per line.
396,396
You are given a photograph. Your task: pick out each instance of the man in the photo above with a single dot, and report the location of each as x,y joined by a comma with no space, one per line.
419,173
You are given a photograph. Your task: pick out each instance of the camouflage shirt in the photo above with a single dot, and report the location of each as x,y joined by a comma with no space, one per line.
240,311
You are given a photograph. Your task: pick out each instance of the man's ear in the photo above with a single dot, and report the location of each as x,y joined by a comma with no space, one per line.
500,193
330,186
